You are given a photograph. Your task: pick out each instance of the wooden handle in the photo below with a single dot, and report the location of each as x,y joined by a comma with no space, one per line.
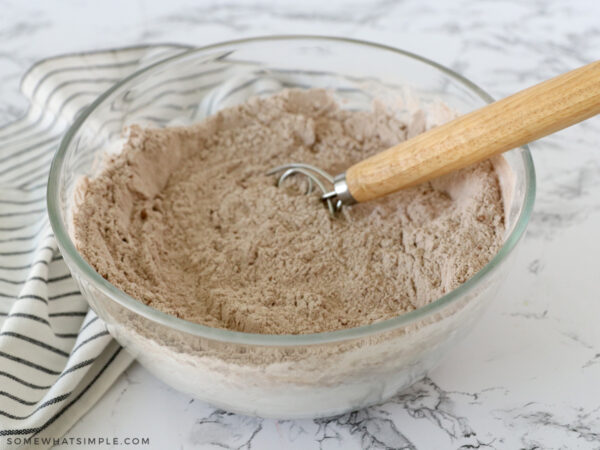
506,124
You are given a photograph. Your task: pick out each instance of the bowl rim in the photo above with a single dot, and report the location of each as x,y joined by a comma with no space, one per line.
74,259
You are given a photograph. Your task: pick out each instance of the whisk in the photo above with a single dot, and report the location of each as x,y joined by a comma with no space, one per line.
498,127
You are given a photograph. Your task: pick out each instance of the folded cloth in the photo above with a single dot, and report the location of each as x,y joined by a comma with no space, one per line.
56,356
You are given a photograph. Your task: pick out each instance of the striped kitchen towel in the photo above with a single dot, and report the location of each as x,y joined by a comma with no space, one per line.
56,357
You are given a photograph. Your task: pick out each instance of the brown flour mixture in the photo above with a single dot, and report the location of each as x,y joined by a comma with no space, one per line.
185,220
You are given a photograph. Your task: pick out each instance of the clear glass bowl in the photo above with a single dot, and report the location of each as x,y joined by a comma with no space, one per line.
282,376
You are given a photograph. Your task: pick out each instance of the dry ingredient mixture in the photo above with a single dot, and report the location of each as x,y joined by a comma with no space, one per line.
185,220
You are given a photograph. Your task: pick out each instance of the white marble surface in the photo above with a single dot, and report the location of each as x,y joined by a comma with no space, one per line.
528,376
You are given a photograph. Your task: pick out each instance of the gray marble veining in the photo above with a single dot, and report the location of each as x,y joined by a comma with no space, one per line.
527,376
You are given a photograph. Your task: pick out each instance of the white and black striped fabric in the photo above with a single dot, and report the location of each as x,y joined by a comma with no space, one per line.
56,357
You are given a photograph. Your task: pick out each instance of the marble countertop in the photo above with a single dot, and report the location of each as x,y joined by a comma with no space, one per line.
528,376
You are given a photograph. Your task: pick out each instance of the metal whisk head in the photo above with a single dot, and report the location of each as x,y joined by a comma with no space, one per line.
314,176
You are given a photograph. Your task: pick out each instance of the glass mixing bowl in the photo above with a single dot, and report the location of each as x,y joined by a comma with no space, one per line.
281,376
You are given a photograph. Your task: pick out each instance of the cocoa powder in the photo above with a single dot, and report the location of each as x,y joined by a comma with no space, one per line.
185,220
